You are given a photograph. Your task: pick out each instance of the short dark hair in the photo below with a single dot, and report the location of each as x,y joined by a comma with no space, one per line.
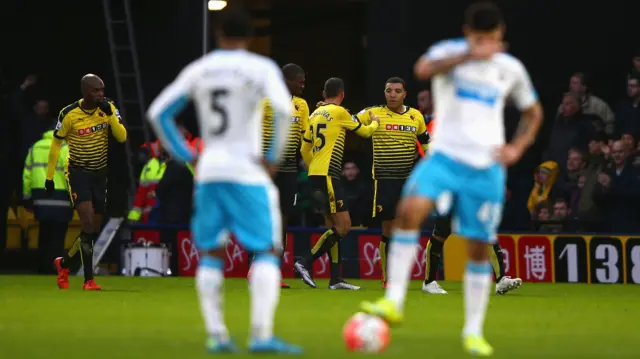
333,87
582,77
483,16
234,21
397,80
560,200
572,96
291,71
579,151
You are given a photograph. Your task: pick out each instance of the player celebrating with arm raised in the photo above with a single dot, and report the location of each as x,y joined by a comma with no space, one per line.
472,77
286,179
233,191
394,152
322,150
85,125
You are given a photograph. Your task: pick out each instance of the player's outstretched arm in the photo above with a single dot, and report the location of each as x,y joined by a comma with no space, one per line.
353,123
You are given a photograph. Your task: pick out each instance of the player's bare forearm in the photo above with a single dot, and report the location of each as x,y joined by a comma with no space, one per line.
368,130
425,69
54,153
530,123
118,130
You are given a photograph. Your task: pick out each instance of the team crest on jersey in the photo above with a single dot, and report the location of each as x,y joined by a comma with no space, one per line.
340,203
297,107
379,209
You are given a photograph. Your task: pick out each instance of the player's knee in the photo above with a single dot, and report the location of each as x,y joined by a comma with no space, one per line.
478,251
277,251
217,253
343,229
342,223
411,213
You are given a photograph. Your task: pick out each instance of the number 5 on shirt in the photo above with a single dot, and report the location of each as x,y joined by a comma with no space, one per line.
318,134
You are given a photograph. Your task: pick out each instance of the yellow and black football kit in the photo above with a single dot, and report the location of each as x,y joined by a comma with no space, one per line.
394,153
323,149
433,252
286,179
87,136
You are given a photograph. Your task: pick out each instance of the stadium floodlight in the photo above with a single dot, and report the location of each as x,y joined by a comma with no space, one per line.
217,5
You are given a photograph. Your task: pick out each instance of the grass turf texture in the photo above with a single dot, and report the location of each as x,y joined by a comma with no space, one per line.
160,318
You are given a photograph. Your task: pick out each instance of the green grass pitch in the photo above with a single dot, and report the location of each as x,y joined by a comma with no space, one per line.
159,318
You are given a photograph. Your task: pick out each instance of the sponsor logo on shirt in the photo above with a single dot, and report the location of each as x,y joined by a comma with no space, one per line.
89,130
402,128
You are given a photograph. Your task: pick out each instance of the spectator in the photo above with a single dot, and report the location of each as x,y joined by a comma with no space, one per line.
596,158
542,212
356,194
617,194
544,220
629,144
572,128
575,166
544,178
628,111
581,198
590,104
32,119
561,210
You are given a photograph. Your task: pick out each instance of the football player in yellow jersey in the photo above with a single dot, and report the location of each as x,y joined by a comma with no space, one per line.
322,150
85,124
286,177
394,153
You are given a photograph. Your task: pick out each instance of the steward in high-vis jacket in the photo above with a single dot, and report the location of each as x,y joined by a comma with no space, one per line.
53,213
145,199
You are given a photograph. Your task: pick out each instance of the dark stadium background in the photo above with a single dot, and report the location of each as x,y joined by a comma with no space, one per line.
364,42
